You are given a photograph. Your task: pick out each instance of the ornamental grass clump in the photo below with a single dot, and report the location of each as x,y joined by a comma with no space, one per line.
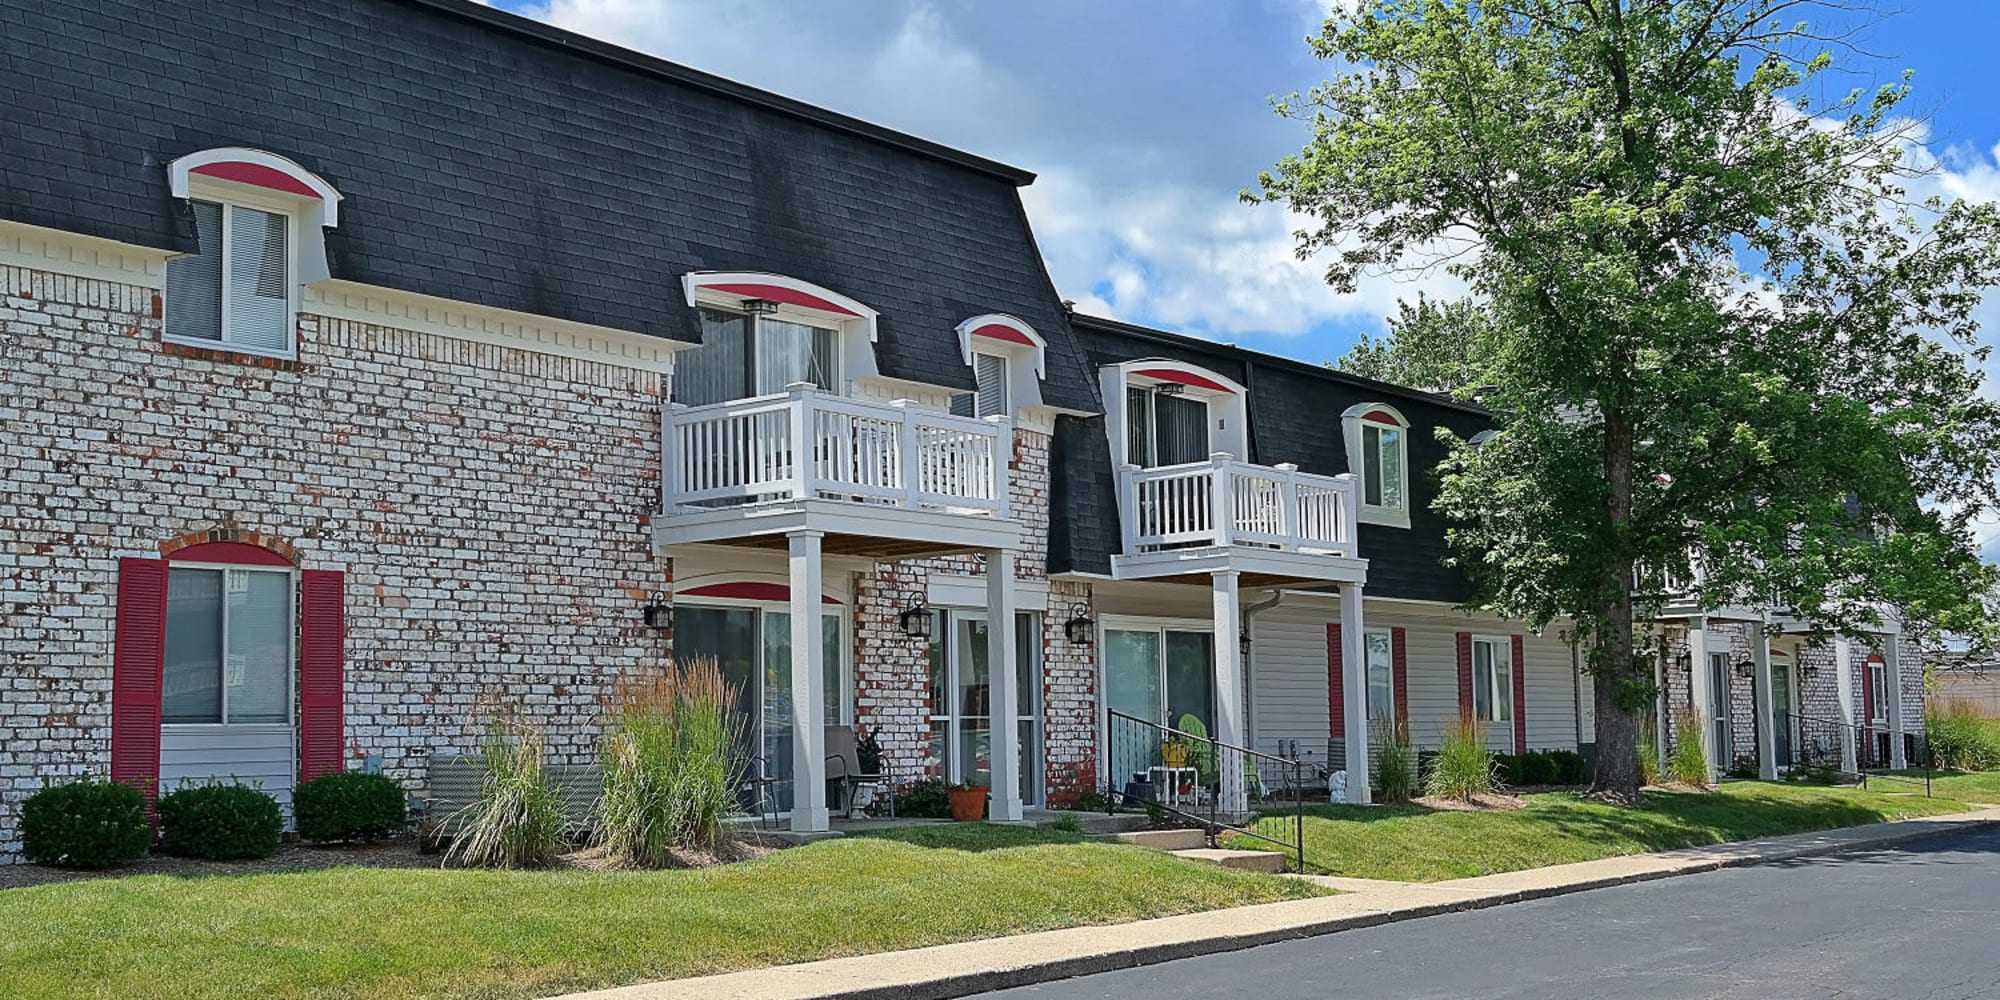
1649,757
1463,768
670,773
1961,740
1687,764
1395,761
518,820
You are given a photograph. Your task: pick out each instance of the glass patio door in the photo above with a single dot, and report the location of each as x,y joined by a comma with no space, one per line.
961,699
1781,712
753,647
1160,675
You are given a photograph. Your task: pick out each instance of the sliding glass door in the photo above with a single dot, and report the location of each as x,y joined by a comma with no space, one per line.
753,646
1162,675
961,703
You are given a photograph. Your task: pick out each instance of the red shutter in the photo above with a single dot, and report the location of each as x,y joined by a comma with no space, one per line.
322,669
1399,661
1465,675
1520,697
1868,690
138,656
1336,687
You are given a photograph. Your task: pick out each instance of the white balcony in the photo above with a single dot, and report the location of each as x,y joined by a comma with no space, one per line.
914,479
1272,520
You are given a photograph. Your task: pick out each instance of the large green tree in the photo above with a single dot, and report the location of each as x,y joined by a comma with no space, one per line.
1725,335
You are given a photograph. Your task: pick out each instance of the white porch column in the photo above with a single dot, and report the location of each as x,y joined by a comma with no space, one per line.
1767,725
1700,699
1892,678
1001,660
1354,693
1230,724
1843,686
808,668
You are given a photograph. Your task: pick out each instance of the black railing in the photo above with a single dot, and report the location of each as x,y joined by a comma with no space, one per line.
1188,775
1820,744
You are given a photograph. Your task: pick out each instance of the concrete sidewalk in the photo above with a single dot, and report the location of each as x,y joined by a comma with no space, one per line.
956,970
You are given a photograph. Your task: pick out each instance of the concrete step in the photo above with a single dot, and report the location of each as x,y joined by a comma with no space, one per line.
1248,861
1098,823
1164,840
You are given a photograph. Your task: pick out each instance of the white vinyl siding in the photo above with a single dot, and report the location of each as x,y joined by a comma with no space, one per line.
261,756
1288,679
236,289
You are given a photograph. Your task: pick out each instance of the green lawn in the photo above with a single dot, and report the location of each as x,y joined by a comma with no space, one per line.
354,932
1982,787
1413,844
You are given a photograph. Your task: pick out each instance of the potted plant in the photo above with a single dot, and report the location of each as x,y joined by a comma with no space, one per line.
968,802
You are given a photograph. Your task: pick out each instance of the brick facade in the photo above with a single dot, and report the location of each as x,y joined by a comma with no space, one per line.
487,504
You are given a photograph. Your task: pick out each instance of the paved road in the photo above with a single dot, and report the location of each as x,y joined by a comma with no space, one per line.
1921,922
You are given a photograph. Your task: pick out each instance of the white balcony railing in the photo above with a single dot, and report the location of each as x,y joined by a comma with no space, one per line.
805,444
1275,507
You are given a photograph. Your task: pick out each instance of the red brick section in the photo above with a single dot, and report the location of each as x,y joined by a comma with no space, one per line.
231,534
137,659
1336,691
1399,657
1465,675
1520,697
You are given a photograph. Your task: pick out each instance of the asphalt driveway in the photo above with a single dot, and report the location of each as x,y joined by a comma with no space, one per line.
1920,921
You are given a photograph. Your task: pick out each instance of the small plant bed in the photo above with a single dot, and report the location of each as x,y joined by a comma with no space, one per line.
1483,800
1411,843
356,931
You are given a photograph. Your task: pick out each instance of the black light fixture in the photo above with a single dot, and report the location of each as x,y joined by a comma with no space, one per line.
916,622
1243,643
659,613
1079,630
759,307
1745,668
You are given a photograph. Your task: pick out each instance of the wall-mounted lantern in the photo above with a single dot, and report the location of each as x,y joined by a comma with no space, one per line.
1079,630
659,613
916,622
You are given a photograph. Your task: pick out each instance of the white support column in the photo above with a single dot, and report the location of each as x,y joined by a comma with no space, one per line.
1002,658
1354,692
1700,699
809,813
1892,678
1230,723
1767,725
1843,686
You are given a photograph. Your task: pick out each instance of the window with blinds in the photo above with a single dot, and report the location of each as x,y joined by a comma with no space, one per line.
235,289
743,356
989,374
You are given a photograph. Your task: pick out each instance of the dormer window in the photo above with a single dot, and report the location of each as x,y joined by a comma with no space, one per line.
763,332
1172,413
257,220
991,398
1378,453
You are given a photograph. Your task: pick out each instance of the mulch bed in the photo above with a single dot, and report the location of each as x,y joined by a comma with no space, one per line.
400,852
1477,802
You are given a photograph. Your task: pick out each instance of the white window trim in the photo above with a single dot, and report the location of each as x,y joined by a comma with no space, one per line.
1353,421
228,194
291,657
1503,654
1027,364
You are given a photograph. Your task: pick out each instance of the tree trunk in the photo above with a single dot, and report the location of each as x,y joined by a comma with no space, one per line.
1616,775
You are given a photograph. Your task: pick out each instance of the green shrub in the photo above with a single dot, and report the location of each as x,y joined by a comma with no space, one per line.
1686,764
1537,769
1068,823
1088,800
1960,740
1569,768
518,821
1395,762
1464,769
219,822
348,807
1508,767
927,800
84,823
670,771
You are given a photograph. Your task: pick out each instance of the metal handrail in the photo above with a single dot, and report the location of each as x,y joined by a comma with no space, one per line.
1213,824
1809,750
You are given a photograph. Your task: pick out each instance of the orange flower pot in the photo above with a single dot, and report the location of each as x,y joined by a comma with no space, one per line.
968,805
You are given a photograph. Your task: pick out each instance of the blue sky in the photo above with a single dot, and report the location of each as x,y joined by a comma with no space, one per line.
1144,120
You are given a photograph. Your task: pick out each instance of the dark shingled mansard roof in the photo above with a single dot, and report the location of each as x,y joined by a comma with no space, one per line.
1295,416
487,158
